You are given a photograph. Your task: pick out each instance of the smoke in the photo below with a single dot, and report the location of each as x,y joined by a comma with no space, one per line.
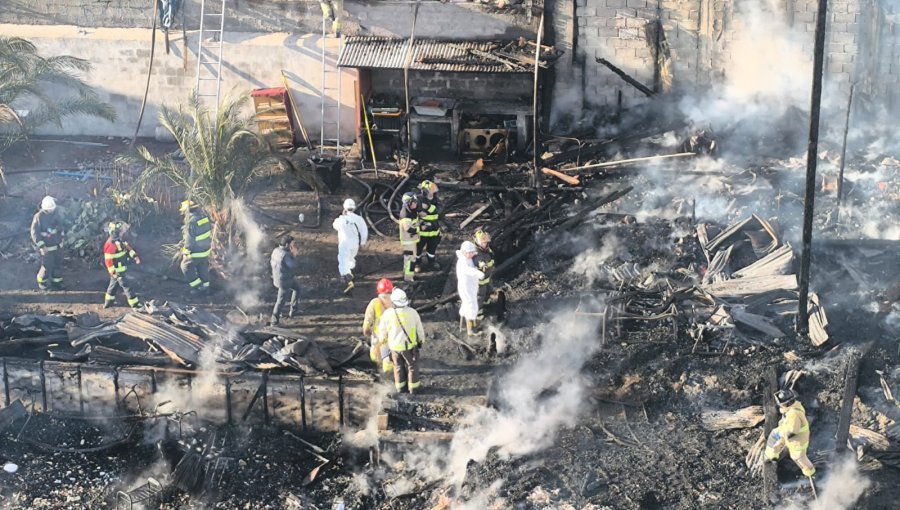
541,394
843,486
591,265
245,283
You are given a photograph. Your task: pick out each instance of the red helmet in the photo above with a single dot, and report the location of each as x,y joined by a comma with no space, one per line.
384,286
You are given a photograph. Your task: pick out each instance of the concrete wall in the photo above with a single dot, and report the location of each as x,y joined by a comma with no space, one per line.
251,60
261,38
454,19
704,38
494,87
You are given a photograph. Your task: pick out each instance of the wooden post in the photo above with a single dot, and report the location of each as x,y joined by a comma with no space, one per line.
843,430
770,471
840,183
535,128
811,161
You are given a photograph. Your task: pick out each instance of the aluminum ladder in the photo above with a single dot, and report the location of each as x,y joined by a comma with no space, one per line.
330,94
209,54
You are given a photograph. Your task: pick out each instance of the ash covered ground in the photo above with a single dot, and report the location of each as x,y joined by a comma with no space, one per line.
579,407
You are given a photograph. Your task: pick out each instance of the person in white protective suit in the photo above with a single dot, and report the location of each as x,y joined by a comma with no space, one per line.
467,277
352,234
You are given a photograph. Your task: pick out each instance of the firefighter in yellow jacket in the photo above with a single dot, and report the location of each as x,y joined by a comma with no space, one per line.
792,431
379,352
401,328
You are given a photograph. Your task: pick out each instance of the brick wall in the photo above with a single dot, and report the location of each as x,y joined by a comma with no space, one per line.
703,38
477,86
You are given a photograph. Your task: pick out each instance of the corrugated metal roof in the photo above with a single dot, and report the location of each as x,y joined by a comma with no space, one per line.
427,55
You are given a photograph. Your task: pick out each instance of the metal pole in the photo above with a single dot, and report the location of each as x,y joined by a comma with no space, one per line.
840,183
811,160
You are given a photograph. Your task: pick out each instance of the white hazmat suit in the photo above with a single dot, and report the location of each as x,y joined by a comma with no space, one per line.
467,276
352,234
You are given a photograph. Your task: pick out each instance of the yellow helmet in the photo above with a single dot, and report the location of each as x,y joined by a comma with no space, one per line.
482,238
187,205
428,186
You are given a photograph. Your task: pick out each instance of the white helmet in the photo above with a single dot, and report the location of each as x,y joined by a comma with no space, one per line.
48,204
349,204
398,297
468,247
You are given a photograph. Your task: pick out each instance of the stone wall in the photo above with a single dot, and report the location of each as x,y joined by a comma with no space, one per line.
704,41
120,57
261,38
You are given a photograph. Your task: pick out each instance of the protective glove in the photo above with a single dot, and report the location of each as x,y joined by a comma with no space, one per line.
137,260
42,251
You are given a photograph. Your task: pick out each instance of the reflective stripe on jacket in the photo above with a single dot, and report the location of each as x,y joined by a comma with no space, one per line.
430,214
409,231
794,427
116,256
45,230
402,328
484,261
197,231
374,311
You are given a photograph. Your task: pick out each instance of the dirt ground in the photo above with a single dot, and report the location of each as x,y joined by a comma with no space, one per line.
638,445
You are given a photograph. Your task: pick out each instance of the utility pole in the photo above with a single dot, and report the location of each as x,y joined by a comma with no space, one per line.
811,161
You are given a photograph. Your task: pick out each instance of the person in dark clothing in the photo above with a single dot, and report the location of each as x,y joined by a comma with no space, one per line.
46,236
429,226
196,246
283,263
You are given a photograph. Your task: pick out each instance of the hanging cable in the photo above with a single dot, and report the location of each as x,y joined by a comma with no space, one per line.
149,72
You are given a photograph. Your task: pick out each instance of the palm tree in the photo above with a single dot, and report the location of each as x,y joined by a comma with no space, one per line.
221,157
25,78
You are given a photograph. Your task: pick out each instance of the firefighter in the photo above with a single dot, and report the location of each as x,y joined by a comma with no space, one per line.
401,328
792,431
47,238
331,11
409,234
429,226
378,350
352,235
484,262
117,256
283,263
467,278
196,246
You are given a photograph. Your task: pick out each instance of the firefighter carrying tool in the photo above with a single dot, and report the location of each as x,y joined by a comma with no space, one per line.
792,431
117,256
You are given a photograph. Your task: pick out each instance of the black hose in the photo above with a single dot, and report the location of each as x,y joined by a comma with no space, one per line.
149,72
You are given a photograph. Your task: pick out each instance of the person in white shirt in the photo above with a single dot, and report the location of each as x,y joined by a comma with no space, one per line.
352,234
467,277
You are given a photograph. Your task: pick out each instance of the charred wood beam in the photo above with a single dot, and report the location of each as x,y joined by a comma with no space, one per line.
843,430
770,386
812,159
628,79
524,252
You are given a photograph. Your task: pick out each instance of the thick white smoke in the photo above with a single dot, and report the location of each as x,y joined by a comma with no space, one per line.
543,393
840,490
245,282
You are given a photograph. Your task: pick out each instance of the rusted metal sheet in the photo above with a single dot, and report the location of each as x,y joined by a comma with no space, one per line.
427,55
